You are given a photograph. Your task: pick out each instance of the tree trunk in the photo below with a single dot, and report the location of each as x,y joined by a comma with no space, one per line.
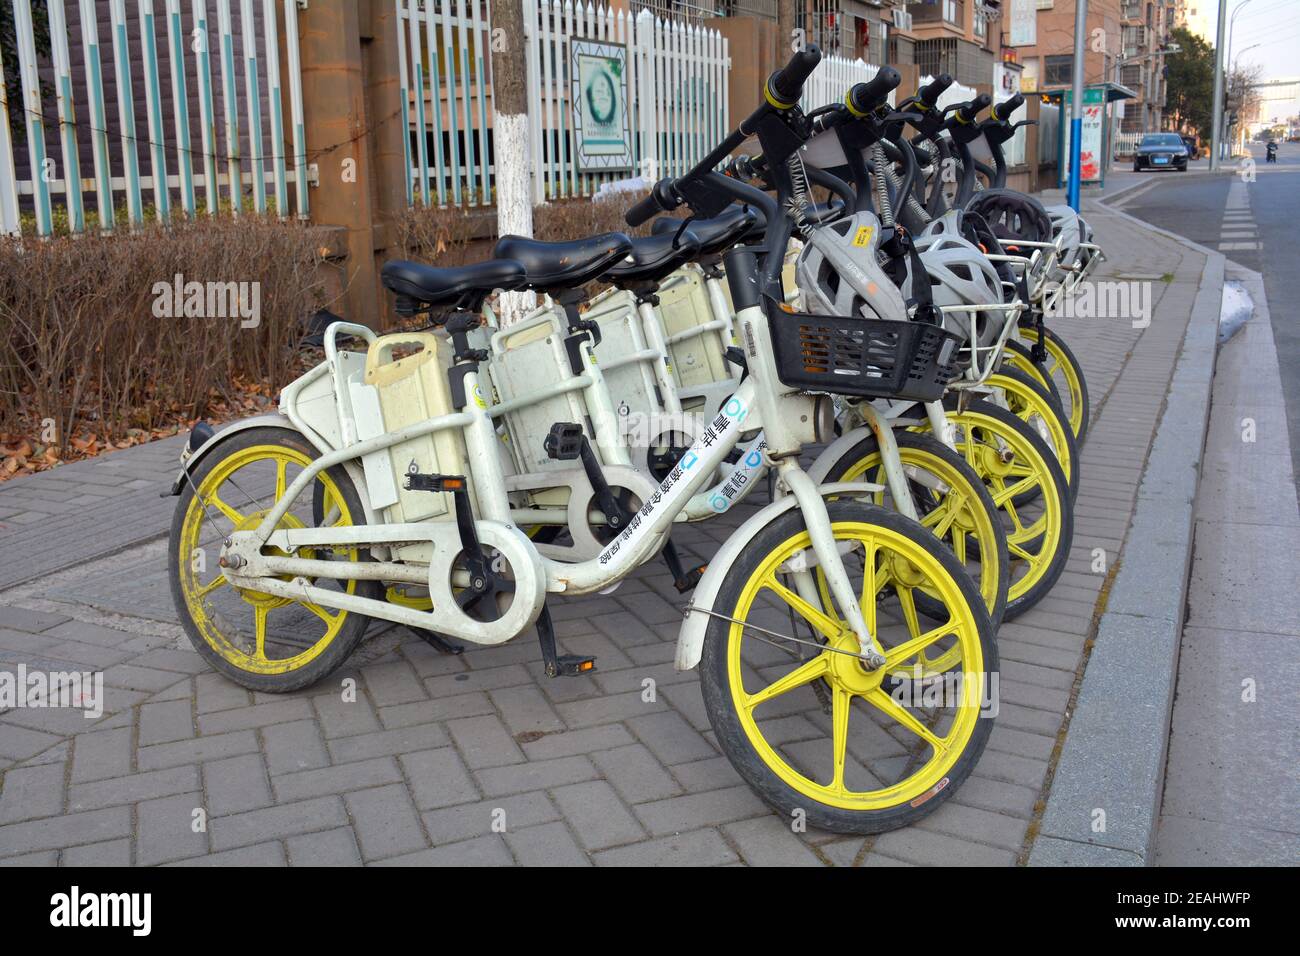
785,38
510,137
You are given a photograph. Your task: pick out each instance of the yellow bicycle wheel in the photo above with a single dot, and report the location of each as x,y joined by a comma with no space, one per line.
1032,404
807,724
263,641
1064,369
951,501
1016,464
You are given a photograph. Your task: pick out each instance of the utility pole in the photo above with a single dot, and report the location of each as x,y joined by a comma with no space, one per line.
1216,109
510,135
1076,103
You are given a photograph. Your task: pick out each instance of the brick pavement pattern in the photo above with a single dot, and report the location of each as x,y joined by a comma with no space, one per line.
481,759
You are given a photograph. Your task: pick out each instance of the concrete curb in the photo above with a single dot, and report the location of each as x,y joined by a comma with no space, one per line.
1113,757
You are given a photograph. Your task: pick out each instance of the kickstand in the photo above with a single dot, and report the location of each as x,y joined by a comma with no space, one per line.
436,641
563,665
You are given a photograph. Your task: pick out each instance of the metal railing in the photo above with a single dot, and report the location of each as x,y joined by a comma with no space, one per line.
177,167
676,94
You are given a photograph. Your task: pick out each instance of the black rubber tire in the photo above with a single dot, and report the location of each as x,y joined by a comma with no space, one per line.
1067,433
354,625
731,735
1025,352
975,486
1083,382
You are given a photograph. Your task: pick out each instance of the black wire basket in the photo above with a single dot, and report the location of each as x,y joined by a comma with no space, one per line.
872,358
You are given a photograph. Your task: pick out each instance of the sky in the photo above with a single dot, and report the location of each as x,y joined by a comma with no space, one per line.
1274,24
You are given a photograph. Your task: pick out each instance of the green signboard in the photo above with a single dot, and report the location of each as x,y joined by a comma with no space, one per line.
600,109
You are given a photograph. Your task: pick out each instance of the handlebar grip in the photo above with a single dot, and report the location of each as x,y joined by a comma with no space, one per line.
785,86
661,199
1002,112
968,112
865,97
930,93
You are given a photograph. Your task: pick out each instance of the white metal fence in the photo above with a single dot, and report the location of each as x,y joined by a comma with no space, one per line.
676,86
1125,143
179,78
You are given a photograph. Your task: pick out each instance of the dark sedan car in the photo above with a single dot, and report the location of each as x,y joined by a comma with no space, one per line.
1160,151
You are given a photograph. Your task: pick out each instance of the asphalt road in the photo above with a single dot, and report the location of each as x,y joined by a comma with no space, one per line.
1194,206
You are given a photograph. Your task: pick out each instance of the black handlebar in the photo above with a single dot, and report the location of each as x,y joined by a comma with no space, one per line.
966,113
1002,112
929,94
785,86
781,95
865,97
661,199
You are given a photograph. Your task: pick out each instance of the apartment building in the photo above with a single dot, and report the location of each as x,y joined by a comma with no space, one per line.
959,37
1195,16
1124,43
875,31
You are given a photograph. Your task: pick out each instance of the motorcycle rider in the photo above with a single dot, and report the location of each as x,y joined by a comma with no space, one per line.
1270,151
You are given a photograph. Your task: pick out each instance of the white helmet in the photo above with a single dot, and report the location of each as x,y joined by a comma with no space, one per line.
839,271
1067,231
960,274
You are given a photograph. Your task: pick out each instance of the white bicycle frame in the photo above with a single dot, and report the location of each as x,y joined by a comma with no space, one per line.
784,409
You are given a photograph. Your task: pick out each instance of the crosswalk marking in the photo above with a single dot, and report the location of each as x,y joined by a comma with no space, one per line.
1238,221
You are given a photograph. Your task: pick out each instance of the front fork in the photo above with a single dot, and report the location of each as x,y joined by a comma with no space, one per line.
813,508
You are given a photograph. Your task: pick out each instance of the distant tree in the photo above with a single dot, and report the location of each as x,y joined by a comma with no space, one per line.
9,48
1190,81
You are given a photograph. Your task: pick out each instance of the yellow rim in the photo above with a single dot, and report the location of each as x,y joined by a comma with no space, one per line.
932,756
1031,543
1058,361
1024,363
1035,410
954,516
199,585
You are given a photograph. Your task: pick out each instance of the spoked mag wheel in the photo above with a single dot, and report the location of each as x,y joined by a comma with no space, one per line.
1019,356
807,723
1033,404
950,500
1064,369
1015,465
262,641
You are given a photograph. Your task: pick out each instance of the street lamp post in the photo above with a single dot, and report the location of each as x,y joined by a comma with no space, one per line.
1222,58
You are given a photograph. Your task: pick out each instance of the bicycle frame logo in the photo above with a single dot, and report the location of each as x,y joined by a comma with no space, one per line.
710,445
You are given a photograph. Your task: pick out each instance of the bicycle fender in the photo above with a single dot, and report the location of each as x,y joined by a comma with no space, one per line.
690,639
272,420
836,450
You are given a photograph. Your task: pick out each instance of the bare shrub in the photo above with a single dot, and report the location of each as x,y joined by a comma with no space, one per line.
80,344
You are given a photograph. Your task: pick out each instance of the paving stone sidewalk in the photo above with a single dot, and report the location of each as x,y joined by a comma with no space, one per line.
116,495
438,749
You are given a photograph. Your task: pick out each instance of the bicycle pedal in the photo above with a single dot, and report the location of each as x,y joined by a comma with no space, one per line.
690,579
564,441
415,481
570,665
